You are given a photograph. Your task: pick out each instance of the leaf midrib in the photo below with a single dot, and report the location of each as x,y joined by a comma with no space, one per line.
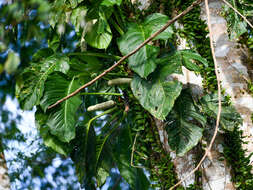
67,101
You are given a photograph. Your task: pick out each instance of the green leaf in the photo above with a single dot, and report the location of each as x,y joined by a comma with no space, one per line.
185,58
84,156
239,28
102,175
155,22
12,62
157,96
34,77
62,119
49,139
183,133
42,54
189,57
143,62
102,139
135,177
74,3
78,18
229,116
109,3
96,38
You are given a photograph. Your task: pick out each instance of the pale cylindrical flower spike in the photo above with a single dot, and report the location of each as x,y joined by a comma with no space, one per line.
119,81
101,106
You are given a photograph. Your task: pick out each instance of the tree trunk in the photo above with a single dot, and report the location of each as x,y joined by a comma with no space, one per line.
235,70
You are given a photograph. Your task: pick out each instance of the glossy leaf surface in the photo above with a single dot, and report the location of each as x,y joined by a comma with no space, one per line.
143,62
62,119
99,35
34,77
157,96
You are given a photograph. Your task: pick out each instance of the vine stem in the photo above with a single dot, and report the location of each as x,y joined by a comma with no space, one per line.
132,154
194,4
208,150
101,93
234,9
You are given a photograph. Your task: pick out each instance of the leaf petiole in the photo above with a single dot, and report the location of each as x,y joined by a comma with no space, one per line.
101,93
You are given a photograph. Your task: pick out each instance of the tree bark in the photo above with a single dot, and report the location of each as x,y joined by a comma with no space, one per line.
235,70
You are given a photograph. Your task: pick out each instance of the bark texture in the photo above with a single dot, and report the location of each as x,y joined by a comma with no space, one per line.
235,70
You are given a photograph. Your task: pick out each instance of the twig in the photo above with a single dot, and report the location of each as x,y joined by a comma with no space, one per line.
194,4
132,154
246,20
219,100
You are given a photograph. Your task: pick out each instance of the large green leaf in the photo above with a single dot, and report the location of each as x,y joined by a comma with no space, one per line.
186,58
49,139
183,133
135,177
157,96
34,77
229,116
62,119
143,62
99,35
84,156
105,134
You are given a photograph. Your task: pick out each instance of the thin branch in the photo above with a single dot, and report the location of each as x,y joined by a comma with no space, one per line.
194,4
208,150
246,20
132,154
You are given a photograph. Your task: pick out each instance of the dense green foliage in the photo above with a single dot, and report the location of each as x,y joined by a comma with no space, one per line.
84,38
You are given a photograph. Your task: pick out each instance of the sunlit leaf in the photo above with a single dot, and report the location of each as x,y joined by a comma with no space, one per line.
34,77
97,38
78,18
62,119
12,62
111,2
143,62
157,96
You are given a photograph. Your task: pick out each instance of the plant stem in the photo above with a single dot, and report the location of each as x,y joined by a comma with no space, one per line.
101,93
102,55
